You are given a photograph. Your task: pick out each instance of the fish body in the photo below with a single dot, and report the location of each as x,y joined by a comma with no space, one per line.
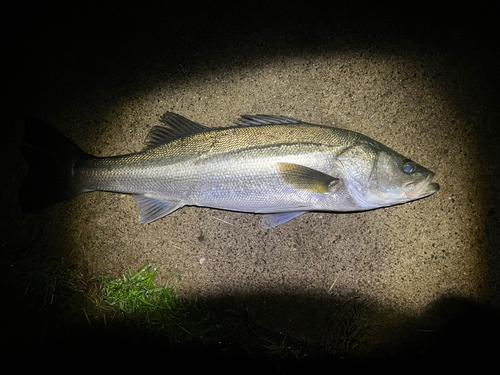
273,165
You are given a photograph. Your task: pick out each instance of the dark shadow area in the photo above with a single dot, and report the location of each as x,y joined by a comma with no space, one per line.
249,333
113,41
73,44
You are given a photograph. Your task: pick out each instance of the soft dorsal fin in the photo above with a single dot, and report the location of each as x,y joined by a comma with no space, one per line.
253,120
176,126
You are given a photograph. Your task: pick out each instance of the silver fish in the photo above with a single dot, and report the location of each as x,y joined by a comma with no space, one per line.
272,165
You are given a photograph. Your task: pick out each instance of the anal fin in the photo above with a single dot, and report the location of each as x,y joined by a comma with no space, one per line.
152,209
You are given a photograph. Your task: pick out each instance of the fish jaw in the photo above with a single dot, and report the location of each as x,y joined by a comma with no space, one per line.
424,188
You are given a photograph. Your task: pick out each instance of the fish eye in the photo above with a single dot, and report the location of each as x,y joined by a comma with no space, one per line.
408,166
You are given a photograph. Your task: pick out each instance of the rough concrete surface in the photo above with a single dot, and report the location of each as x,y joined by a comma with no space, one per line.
422,88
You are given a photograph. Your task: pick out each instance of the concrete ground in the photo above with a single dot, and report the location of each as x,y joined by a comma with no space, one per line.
422,86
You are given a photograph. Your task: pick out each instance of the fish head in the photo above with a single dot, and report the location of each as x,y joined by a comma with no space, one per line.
396,179
378,176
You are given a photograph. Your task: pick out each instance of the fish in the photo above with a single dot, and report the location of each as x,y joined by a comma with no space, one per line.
272,165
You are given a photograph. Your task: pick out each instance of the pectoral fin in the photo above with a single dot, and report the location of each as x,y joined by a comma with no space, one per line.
304,178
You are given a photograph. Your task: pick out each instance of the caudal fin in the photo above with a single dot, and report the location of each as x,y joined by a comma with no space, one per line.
50,157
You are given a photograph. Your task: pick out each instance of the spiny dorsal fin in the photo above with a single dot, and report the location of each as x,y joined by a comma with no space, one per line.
176,126
304,178
255,120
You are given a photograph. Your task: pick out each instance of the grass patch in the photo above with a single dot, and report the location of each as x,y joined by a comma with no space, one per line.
136,298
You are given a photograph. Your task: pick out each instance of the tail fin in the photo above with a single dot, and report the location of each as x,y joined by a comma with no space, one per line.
50,157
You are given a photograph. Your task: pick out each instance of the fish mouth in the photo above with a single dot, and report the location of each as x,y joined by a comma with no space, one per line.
424,188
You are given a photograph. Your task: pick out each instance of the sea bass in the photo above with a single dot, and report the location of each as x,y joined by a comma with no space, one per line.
274,165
